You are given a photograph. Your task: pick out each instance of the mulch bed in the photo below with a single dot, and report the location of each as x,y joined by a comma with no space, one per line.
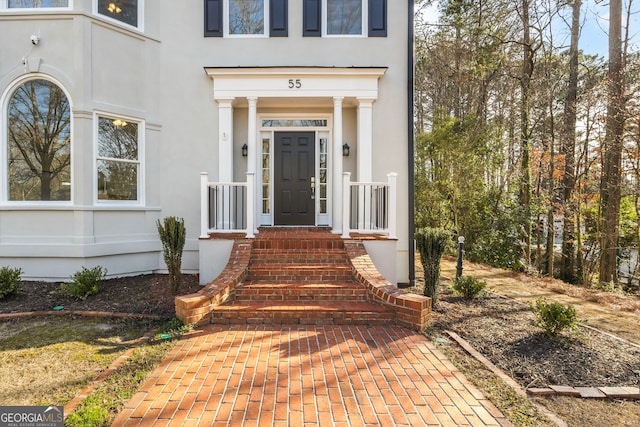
144,294
503,331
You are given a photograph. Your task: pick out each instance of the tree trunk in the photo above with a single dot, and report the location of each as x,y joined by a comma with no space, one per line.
525,171
611,177
568,261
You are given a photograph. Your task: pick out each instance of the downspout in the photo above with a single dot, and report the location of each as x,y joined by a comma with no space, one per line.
410,143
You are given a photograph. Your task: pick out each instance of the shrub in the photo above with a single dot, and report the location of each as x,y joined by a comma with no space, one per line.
10,279
84,282
469,287
172,235
432,243
554,317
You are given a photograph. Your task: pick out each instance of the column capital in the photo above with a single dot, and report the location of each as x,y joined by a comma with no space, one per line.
226,102
364,102
337,100
252,100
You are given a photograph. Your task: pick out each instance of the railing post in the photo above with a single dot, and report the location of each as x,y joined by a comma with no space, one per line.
204,205
392,179
346,194
250,203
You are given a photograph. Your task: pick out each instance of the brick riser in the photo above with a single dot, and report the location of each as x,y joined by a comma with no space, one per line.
303,313
266,291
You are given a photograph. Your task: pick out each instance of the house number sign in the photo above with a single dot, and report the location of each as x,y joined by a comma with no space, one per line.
295,83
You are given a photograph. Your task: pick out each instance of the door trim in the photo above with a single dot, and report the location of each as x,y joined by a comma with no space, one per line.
267,133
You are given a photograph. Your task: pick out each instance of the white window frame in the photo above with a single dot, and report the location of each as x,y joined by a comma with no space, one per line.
139,27
365,21
225,23
4,142
140,201
4,5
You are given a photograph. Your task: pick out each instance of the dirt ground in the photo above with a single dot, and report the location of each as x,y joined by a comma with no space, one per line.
614,313
145,294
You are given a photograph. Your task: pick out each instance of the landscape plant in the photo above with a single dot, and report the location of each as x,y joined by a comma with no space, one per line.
172,235
554,317
84,282
10,279
432,242
468,287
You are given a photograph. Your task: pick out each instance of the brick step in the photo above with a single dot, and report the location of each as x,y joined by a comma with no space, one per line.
313,313
304,272
297,239
300,291
297,256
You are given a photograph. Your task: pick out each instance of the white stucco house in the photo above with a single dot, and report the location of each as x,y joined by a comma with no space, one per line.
232,114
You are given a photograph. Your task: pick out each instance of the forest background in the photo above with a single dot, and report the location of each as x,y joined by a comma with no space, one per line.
528,134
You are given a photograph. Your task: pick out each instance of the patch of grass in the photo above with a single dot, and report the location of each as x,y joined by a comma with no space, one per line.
103,405
519,410
47,361
592,412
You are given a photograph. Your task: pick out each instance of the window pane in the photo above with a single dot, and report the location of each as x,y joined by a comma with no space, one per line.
344,16
24,4
39,143
246,16
117,139
293,123
117,180
122,10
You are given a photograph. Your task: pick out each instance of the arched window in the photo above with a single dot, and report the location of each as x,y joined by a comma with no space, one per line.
39,143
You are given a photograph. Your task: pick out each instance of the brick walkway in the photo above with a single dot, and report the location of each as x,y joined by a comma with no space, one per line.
258,375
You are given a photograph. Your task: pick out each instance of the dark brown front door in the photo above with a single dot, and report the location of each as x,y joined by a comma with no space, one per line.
293,171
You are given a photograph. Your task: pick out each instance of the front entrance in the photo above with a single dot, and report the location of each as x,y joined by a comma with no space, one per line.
294,181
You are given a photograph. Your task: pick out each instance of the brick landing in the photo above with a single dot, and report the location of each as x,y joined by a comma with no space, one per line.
333,375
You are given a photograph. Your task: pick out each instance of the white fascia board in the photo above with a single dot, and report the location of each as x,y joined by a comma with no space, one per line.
295,82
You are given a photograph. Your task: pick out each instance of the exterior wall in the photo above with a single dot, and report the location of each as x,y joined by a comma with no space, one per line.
157,76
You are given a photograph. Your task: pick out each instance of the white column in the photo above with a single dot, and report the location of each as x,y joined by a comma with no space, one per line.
252,137
365,140
252,164
337,164
225,140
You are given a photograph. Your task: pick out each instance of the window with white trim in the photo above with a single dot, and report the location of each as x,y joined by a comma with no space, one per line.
127,12
118,162
246,17
38,164
344,17
36,4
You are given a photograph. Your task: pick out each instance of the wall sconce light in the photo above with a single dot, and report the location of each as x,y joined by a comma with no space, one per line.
345,149
245,150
